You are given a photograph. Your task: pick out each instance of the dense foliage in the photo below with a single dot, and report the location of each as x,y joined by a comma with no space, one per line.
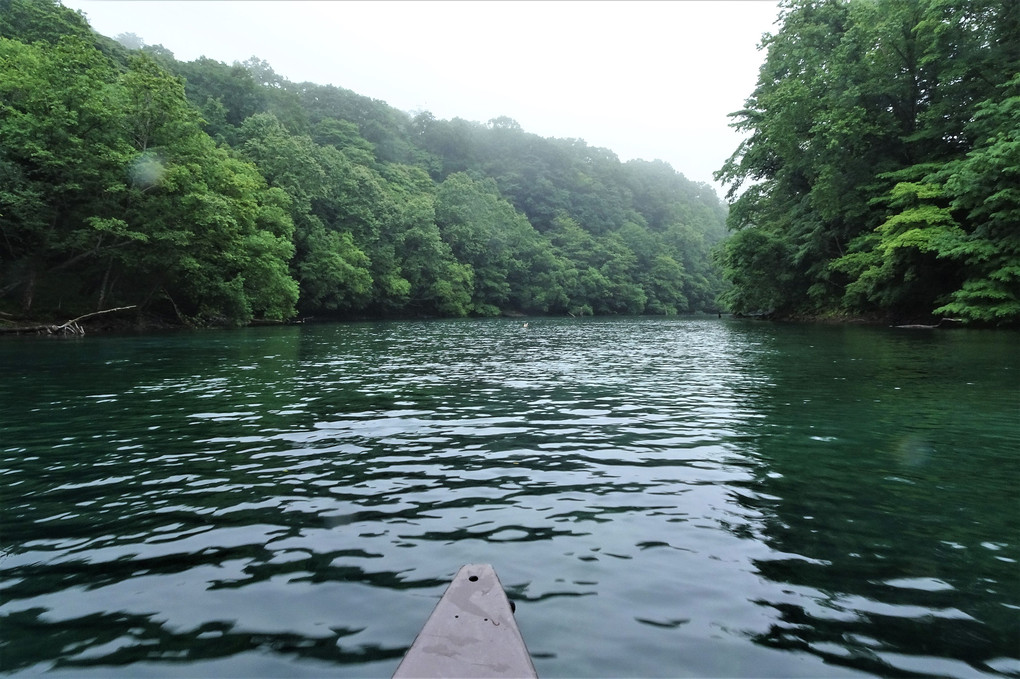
216,193
882,171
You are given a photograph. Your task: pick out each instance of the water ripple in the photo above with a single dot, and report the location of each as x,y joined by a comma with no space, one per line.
700,497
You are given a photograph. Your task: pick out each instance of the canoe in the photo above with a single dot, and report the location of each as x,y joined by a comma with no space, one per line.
471,633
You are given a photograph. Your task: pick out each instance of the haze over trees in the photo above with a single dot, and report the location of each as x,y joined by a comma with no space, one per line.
882,172
879,179
215,193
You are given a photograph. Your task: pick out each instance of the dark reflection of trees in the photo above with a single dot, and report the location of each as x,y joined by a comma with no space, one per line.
140,638
864,472
887,495
29,638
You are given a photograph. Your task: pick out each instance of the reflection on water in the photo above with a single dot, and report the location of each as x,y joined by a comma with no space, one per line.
660,497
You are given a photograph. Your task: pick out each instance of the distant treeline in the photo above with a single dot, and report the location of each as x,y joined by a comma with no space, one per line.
214,193
882,172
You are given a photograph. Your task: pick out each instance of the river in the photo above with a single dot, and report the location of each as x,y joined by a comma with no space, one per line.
660,497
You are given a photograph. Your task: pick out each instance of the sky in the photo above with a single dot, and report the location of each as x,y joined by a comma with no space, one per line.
651,80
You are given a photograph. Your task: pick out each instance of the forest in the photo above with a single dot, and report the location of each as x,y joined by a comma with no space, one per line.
881,172
205,194
878,179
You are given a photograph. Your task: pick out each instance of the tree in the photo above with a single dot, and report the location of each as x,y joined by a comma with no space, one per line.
226,95
221,193
62,159
332,270
46,21
985,189
130,41
438,282
116,193
863,113
897,266
757,261
475,222
217,239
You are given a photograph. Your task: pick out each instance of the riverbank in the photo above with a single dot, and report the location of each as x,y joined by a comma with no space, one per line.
126,320
107,321
878,320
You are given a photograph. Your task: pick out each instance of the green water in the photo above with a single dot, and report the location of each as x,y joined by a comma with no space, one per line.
659,497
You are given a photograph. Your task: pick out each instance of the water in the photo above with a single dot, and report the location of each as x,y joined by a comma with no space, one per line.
659,497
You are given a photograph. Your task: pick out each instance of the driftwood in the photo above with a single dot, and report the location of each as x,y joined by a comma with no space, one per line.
943,323
71,327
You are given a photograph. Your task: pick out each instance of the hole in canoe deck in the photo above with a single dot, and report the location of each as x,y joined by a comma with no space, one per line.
473,578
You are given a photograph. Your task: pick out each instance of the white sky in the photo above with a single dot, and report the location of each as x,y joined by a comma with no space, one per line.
652,80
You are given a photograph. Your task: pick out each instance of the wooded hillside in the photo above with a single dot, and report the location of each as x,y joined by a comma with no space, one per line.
215,193
882,172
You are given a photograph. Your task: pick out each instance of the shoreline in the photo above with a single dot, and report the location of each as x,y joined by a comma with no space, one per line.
97,324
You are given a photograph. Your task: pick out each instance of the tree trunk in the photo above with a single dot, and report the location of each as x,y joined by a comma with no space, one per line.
103,286
71,327
29,294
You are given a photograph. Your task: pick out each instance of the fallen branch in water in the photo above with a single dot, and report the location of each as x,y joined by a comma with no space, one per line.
71,327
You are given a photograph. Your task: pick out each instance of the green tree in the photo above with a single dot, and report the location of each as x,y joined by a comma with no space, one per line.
861,113
115,193
62,161
332,270
477,224
896,266
986,195
756,261
217,241
46,21
226,95
218,192
438,282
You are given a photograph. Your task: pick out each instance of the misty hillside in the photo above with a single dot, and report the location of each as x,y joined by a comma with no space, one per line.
213,193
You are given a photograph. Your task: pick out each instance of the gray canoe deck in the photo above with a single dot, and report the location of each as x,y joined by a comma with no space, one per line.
471,633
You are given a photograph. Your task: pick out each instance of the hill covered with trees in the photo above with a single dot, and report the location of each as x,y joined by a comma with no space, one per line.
213,193
882,172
